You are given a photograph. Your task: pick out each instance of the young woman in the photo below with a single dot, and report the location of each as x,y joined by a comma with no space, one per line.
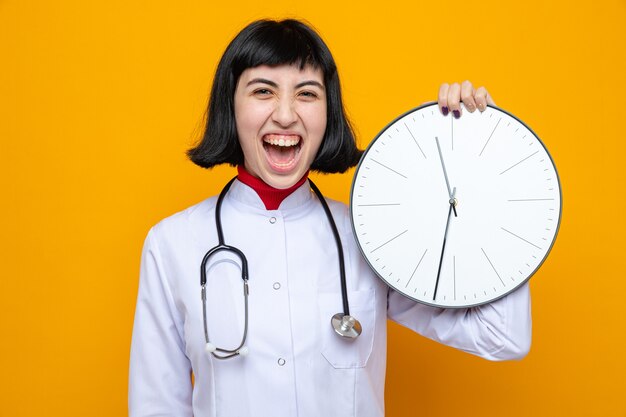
276,113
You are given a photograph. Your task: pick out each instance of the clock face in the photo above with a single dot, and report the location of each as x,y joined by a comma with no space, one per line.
455,212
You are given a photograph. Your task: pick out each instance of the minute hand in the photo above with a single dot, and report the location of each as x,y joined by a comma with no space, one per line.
443,248
445,174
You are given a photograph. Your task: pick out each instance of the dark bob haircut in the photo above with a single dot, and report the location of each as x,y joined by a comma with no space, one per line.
267,42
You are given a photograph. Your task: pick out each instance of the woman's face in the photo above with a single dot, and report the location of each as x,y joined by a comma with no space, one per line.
281,119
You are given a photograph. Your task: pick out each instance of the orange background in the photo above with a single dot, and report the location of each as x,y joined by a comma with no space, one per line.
99,101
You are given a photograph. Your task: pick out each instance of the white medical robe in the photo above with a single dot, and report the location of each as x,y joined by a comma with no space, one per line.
297,365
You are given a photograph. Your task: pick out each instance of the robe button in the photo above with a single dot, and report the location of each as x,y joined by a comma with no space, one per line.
276,285
281,362
272,220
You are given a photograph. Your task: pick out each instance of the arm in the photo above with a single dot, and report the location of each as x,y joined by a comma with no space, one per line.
500,330
160,372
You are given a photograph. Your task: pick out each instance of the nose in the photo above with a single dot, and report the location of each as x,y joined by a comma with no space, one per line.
285,113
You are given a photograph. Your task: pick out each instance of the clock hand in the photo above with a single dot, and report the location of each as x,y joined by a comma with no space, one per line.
445,235
445,174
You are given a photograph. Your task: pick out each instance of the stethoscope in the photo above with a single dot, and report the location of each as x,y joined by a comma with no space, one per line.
344,324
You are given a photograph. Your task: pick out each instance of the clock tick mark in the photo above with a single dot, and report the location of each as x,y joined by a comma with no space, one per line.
493,267
454,276
390,240
494,129
516,164
390,169
519,237
377,205
533,199
417,266
415,140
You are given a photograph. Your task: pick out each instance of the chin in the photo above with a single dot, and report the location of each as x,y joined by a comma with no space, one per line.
282,181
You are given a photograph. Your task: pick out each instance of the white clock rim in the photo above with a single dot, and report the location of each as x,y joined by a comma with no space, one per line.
539,265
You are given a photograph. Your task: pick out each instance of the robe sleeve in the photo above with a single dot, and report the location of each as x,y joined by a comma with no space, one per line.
160,372
497,331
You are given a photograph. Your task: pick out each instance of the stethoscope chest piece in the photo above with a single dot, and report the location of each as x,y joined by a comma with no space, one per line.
346,326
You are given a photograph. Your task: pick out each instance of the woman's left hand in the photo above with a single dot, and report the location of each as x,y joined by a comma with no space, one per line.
451,96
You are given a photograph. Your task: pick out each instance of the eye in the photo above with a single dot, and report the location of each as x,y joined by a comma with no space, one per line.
262,92
308,94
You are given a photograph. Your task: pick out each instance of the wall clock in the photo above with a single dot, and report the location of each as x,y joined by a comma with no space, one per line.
455,212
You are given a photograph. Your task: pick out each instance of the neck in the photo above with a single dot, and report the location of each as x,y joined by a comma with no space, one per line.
271,197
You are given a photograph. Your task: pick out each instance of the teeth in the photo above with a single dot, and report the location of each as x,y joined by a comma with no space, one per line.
272,140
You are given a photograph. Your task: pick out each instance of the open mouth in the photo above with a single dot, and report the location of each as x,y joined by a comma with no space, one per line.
282,151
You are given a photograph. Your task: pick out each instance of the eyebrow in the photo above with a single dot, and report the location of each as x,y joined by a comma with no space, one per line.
273,84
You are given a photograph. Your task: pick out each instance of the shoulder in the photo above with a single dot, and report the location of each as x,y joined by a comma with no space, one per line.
341,215
184,223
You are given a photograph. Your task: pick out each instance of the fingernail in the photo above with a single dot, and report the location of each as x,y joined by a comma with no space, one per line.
456,114
445,110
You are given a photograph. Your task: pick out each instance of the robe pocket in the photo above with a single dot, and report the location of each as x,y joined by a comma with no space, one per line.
339,351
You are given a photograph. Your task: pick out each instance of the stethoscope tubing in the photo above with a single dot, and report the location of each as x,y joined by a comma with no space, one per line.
342,267
339,322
